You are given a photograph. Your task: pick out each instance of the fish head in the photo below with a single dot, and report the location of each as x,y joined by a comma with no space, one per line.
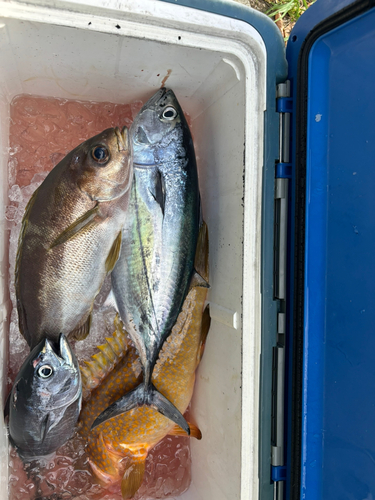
158,128
102,166
45,399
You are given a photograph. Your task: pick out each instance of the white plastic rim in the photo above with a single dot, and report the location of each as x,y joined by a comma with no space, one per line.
120,51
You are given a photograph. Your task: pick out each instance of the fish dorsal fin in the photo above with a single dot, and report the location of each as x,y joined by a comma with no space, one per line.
103,362
25,221
79,225
194,431
7,404
114,253
206,323
201,253
198,280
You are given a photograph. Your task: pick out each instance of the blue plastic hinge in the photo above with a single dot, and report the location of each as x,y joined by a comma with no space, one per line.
283,171
278,473
284,105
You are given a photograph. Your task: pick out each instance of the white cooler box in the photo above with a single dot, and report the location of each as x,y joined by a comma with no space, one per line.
224,73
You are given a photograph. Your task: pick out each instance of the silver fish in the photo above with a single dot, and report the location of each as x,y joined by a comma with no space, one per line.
45,399
71,237
156,266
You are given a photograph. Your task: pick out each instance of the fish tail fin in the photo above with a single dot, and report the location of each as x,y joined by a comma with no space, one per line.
161,404
194,431
143,396
133,476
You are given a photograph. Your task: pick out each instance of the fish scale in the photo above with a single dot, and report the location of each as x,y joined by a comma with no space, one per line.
156,264
118,447
71,237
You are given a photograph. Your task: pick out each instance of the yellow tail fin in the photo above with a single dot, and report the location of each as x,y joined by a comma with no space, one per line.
133,476
194,431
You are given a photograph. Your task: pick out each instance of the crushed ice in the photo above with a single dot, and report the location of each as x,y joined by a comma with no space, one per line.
42,132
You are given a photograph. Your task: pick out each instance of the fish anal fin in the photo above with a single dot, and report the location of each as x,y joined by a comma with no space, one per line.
80,224
198,280
206,323
194,431
133,476
81,332
114,253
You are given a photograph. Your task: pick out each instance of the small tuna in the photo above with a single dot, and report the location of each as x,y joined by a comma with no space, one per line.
156,266
71,237
45,399
118,447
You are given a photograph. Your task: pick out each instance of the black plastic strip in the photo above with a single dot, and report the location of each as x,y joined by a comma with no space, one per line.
341,17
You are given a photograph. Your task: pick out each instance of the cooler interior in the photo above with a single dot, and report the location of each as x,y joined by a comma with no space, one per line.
220,85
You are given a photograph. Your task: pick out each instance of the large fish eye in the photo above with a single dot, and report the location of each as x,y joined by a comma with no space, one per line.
169,113
100,154
45,371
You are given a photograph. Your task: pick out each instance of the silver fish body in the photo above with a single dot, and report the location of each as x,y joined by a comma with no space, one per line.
45,399
152,276
71,236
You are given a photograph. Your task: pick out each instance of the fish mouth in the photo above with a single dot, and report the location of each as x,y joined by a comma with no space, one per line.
122,138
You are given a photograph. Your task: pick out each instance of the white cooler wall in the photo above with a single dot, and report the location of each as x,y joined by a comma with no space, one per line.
216,461
4,294
216,66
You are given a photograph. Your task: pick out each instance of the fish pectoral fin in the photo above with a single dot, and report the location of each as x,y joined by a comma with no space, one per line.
143,396
79,225
44,428
206,323
197,280
194,431
158,193
133,476
114,253
82,331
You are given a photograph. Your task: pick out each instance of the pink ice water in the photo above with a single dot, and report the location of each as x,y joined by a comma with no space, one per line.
42,132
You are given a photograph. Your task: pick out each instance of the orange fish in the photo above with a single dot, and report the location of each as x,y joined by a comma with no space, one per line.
132,434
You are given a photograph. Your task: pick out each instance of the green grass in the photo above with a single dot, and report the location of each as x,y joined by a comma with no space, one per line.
293,9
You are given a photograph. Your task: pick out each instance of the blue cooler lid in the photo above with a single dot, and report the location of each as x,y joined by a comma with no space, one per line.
331,428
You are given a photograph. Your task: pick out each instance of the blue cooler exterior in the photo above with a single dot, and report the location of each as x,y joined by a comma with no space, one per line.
331,402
